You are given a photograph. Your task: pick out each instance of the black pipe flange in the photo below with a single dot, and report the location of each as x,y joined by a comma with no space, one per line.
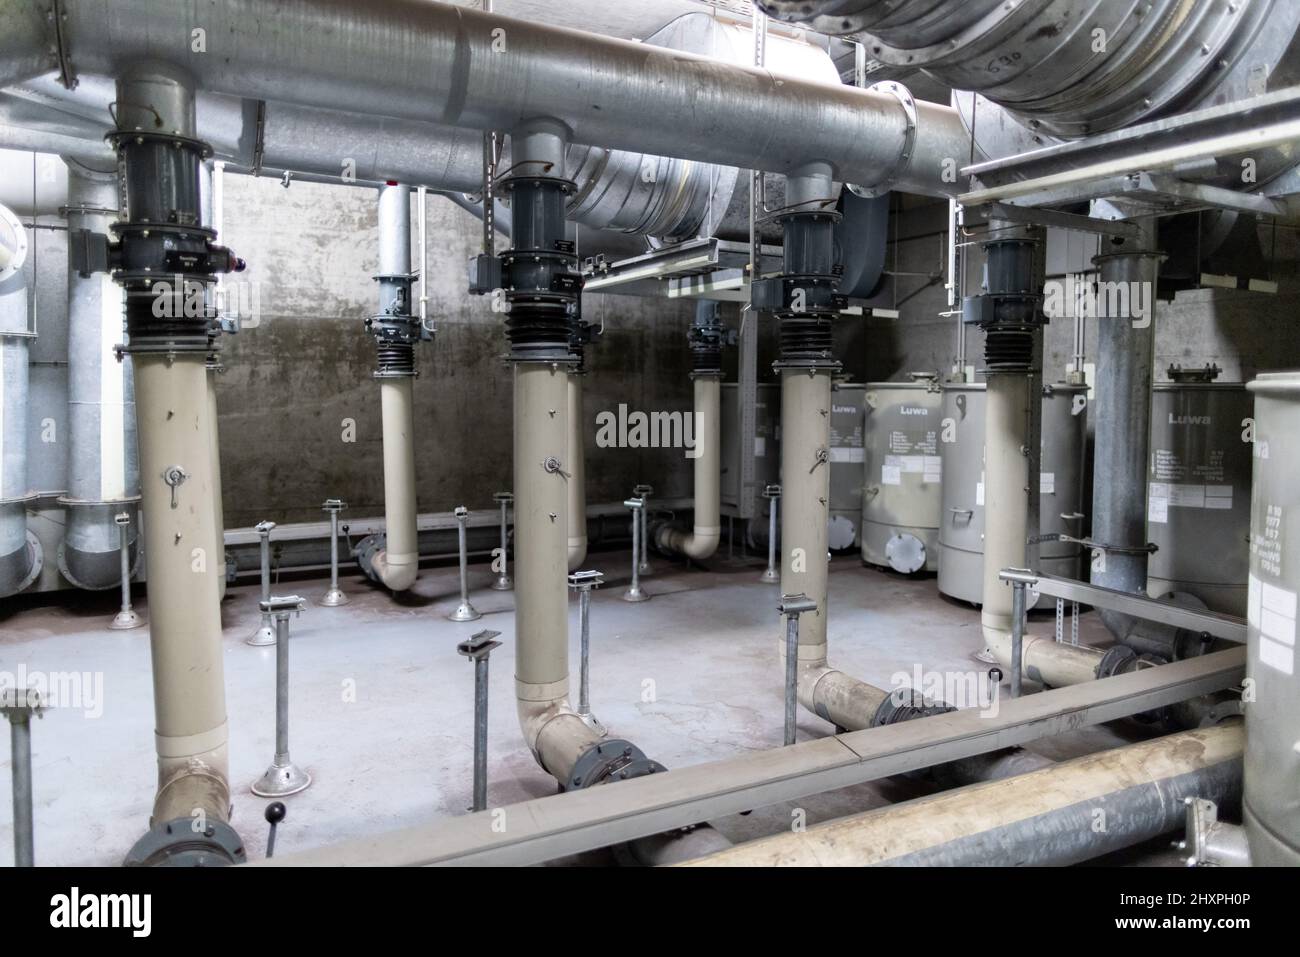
907,704
608,761
176,843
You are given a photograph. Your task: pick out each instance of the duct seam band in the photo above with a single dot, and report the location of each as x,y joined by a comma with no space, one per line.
810,654
192,744
552,691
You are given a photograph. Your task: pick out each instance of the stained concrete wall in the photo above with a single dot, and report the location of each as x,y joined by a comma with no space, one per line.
294,379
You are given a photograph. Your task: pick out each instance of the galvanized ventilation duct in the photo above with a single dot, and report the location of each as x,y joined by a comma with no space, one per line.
1065,67
103,468
437,63
625,191
20,552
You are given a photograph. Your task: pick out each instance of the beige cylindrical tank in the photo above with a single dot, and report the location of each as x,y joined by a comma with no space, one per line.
961,532
1198,492
901,488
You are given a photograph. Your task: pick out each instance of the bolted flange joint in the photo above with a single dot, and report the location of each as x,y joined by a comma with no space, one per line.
610,760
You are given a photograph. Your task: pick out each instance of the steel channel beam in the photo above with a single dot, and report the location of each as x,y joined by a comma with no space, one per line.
1148,609
543,829
1131,146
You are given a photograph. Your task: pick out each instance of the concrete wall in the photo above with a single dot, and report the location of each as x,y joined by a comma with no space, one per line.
294,379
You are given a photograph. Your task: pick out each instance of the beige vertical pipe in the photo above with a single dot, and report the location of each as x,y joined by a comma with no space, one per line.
805,502
176,429
1006,536
702,540
575,460
553,730
218,562
398,564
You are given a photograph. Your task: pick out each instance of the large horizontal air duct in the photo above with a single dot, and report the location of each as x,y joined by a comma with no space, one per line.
433,62
1041,59
625,191
1047,818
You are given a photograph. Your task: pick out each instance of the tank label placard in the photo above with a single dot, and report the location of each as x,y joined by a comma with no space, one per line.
1169,466
896,466
848,454
1272,611
1164,496
904,443
1047,483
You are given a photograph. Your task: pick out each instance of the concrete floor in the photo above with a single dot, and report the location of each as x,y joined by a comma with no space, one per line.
381,701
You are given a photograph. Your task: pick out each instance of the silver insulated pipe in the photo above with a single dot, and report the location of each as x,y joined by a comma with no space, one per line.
103,467
438,63
20,553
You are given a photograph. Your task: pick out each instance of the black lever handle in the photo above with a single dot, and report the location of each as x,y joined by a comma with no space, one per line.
275,812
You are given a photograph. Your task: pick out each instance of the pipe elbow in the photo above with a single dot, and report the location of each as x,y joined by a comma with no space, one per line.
1044,660
21,567
699,544
397,572
555,733
577,552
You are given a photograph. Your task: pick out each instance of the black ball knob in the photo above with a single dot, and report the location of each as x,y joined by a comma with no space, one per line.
275,812
995,675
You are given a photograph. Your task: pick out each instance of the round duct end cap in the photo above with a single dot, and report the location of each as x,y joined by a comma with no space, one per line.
905,553
841,533
21,568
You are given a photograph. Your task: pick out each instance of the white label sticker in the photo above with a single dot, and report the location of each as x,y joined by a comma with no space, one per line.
1187,496
891,475
1219,491
1277,656
979,495
1272,611
848,455
1158,513
933,470
760,446
1047,483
